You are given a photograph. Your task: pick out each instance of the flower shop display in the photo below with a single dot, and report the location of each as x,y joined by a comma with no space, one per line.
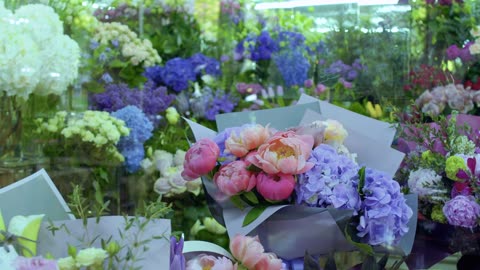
440,167
38,63
261,168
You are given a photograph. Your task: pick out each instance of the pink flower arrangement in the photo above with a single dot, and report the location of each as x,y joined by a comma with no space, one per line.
234,178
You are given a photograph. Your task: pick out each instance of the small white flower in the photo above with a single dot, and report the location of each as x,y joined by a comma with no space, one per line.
424,182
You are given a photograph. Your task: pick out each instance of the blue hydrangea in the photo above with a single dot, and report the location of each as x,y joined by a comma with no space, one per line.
140,131
176,74
318,187
134,154
205,65
258,47
385,213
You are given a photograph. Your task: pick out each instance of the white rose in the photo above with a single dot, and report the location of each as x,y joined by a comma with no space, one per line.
91,256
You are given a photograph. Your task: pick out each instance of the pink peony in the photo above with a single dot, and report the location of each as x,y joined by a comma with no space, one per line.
204,261
200,159
269,261
285,152
249,138
36,263
248,250
275,187
234,178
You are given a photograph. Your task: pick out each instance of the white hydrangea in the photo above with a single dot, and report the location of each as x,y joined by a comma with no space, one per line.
35,56
138,51
424,182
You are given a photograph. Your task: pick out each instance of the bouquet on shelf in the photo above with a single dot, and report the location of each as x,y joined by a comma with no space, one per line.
272,172
442,167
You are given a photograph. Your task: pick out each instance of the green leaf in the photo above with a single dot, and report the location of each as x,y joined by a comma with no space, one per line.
309,263
250,196
365,248
237,201
330,264
370,263
253,214
361,183
383,261
118,64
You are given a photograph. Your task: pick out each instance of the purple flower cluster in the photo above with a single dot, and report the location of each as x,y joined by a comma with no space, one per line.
288,39
179,72
385,213
232,9
347,72
152,100
293,66
217,102
141,129
463,53
332,180
205,65
462,211
258,47
176,74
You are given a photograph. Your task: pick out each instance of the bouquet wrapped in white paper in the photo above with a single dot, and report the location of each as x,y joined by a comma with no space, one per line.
293,177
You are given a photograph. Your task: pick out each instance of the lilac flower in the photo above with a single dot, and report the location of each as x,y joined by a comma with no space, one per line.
36,263
462,211
153,100
203,64
141,129
316,187
453,52
177,259
293,66
385,212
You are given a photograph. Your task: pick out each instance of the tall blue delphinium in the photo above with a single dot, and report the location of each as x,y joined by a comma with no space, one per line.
141,129
293,65
205,65
256,48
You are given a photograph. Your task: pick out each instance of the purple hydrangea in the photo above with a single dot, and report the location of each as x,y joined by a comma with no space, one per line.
462,211
385,213
205,65
293,66
176,74
317,187
141,129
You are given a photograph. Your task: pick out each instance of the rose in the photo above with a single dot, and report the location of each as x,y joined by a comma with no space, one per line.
285,152
462,211
200,159
275,187
248,250
248,138
234,178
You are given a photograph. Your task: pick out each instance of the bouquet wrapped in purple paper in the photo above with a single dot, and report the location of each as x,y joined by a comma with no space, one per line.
275,173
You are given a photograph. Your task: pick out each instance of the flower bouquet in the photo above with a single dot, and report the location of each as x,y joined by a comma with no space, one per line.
276,172
441,167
